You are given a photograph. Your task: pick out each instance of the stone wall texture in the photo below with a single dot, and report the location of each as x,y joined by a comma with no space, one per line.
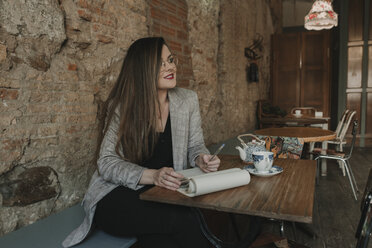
59,59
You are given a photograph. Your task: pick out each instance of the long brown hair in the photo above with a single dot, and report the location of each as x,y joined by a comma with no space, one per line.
135,96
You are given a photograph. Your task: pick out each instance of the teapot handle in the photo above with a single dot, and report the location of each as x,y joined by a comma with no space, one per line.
251,135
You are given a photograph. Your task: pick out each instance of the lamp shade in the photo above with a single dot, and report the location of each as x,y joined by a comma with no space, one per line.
321,16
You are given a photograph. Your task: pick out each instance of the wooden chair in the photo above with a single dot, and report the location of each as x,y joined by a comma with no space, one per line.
263,105
305,111
364,228
344,159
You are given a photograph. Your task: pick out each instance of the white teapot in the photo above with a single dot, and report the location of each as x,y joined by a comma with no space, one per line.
256,145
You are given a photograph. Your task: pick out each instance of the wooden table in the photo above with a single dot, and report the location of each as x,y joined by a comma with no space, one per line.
286,196
308,134
291,120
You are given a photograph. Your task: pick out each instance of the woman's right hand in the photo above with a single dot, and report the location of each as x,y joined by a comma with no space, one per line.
165,177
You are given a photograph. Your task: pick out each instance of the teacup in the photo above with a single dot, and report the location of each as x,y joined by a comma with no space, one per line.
297,112
263,161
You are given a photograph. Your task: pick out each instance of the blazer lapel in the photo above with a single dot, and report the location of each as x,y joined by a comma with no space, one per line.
178,114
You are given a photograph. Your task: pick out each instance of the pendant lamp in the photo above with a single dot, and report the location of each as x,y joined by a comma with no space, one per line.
321,16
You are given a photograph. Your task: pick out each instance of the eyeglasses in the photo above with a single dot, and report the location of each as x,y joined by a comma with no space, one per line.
172,60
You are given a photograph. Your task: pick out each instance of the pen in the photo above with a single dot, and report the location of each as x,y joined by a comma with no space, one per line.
216,152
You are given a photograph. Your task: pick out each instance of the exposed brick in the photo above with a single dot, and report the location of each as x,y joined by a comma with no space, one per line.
167,31
77,109
181,3
175,46
72,67
74,129
156,29
111,22
76,119
84,15
104,39
186,49
83,4
183,83
173,20
185,26
158,14
210,60
171,7
95,9
8,94
182,35
182,12
155,3
96,27
187,72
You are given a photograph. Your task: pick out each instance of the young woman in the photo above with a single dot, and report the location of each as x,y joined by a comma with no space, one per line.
152,130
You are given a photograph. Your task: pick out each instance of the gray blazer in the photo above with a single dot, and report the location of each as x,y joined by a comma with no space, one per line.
187,144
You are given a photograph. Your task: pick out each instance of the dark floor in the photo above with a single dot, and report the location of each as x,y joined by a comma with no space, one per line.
336,213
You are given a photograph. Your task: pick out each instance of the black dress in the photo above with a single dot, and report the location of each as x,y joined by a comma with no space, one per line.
122,213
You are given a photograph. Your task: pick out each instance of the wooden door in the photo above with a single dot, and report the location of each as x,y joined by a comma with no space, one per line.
286,70
300,70
315,64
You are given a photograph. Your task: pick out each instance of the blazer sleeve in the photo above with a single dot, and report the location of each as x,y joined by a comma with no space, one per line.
112,167
196,143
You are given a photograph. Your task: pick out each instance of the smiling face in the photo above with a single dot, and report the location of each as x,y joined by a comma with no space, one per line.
168,69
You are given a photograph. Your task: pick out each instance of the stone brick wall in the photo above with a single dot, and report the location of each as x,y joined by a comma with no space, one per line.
60,58
169,20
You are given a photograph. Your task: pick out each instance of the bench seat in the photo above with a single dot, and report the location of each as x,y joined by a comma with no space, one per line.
51,231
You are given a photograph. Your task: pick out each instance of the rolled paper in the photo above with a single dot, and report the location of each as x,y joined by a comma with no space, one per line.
216,181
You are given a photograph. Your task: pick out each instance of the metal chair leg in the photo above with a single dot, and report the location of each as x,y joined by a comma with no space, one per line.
349,176
352,175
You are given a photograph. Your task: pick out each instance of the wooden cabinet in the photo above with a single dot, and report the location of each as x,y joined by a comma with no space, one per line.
301,70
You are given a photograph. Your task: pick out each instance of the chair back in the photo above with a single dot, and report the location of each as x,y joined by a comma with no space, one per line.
365,222
346,125
341,123
354,133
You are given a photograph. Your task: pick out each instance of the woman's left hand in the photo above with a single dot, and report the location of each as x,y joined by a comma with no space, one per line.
205,165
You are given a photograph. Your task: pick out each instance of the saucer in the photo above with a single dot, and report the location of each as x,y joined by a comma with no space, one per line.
297,116
272,172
